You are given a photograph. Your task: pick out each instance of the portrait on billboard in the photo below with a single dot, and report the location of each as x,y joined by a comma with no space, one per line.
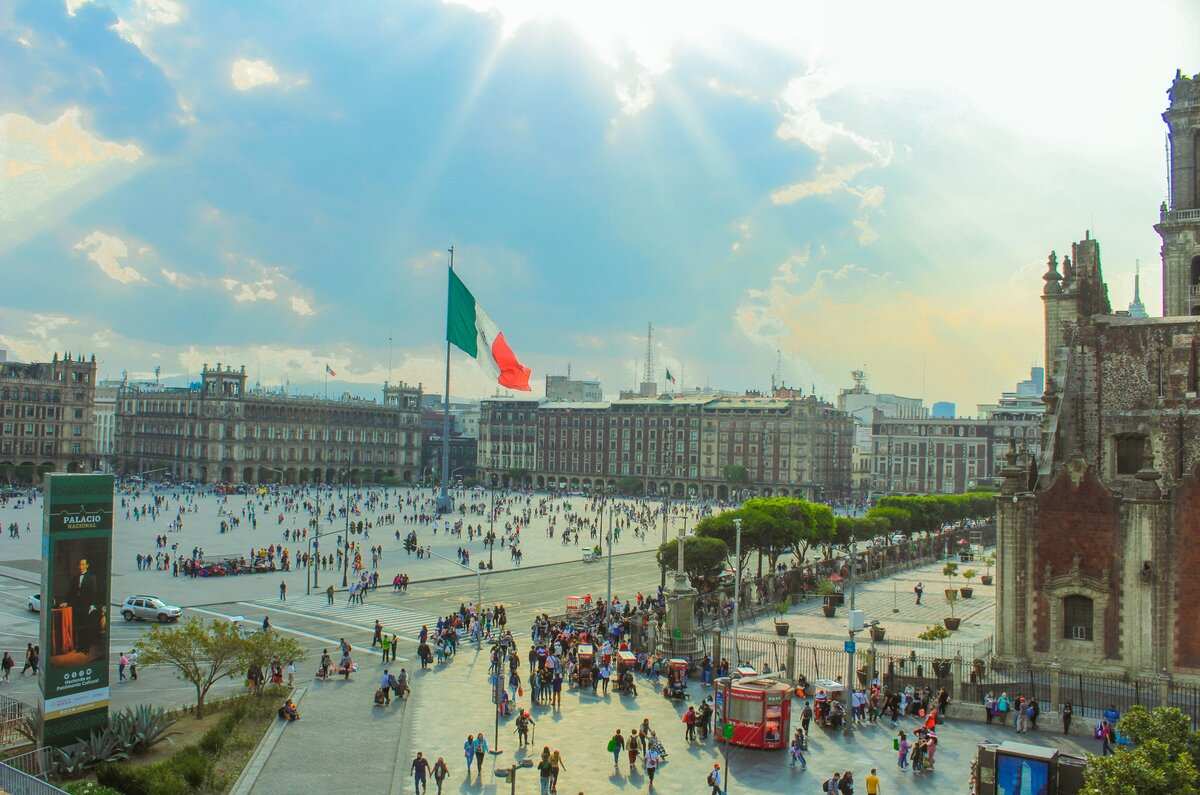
79,613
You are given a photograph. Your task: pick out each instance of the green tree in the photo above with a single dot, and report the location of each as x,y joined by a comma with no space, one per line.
630,486
205,652
721,527
898,520
736,474
1164,757
702,556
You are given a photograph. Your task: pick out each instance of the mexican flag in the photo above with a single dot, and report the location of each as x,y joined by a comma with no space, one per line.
474,333
670,377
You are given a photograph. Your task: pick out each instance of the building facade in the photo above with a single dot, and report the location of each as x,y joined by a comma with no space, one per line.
216,431
506,454
701,446
46,420
104,417
1098,563
565,388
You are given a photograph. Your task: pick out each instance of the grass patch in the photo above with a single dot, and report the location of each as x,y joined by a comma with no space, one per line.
220,746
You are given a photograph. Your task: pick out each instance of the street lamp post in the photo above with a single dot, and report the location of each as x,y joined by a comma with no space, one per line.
608,602
737,587
848,724
662,583
346,542
491,539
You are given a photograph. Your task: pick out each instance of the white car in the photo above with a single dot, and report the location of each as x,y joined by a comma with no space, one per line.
149,608
34,603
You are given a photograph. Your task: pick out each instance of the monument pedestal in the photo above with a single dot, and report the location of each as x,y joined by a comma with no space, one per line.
678,638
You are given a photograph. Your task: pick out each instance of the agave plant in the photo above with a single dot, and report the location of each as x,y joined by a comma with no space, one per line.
105,746
74,759
150,726
120,725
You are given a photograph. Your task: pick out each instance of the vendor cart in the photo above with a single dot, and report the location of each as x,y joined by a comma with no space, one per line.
758,708
677,674
585,664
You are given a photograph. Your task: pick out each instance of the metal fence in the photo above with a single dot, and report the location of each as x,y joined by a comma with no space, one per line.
12,714
27,774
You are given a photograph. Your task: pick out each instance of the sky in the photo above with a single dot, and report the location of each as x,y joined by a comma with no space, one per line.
787,189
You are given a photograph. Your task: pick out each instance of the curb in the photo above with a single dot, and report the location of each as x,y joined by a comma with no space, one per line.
266,746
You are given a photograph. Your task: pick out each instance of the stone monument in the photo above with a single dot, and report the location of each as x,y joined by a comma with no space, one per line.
678,638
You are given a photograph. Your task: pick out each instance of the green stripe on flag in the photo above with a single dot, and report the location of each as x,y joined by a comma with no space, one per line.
460,317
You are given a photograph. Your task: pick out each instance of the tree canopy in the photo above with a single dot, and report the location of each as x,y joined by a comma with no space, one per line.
1163,759
205,652
702,556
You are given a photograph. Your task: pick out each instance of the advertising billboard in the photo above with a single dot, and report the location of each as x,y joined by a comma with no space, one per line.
77,527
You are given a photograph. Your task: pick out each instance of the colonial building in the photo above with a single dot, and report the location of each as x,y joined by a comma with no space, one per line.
104,417
684,446
46,418
1099,537
507,448
217,431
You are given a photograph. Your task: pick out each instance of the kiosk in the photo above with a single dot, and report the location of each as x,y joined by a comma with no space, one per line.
758,707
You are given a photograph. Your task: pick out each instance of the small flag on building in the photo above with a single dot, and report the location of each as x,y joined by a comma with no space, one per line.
670,377
329,371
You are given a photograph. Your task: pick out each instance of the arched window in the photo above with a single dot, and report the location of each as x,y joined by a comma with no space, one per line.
1077,617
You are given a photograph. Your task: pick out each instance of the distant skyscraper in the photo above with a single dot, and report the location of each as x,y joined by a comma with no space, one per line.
1136,308
944,410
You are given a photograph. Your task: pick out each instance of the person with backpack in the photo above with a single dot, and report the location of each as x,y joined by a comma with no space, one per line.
714,779
616,744
832,784
797,750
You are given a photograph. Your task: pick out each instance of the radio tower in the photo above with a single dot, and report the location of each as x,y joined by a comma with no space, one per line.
648,375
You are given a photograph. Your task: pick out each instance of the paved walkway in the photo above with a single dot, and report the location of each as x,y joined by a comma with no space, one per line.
344,743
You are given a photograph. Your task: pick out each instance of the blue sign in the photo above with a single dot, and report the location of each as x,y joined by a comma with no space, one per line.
849,647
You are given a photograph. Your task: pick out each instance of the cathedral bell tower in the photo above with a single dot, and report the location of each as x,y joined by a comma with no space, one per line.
1179,223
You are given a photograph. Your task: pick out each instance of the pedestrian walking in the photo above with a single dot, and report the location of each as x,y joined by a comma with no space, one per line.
901,744
545,771
919,590
377,635
653,760
873,783
440,771
6,665
1068,710
481,748
714,779
556,766
386,642
797,751
469,752
832,785
329,595
689,720
420,768
122,664
616,744
282,591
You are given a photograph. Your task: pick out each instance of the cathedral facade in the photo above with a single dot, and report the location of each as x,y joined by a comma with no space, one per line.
1098,559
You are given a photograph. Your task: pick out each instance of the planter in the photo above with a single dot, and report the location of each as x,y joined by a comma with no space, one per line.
951,594
829,609
835,599
952,623
986,579
781,628
877,633
966,592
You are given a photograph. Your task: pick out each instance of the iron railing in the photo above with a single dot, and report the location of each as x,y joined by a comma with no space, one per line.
12,715
28,773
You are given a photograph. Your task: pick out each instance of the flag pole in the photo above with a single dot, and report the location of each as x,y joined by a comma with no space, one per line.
327,382
443,503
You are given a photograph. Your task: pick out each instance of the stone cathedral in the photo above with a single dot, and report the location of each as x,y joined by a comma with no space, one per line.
1098,561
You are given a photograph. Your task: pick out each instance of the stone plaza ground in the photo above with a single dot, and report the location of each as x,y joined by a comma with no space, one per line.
346,744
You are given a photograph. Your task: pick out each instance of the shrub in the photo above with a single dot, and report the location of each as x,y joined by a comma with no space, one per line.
935,632
90,788
214,739
192,765
123,778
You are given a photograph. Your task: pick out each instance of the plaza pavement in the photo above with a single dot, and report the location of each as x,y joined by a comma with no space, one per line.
21,558
345,744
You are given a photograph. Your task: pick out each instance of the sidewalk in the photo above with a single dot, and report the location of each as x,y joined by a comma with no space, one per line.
344,743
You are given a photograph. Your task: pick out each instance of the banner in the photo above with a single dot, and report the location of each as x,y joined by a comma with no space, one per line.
77,527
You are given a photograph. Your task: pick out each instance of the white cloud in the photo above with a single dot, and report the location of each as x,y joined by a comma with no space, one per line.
635,95
59,165
429,259
178,280
803,122
301,307
866,233
869,198
719,87
247,74
251,292
107,251
823,184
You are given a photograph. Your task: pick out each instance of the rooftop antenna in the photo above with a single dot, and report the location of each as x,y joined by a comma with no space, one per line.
568,371
157,370
649,371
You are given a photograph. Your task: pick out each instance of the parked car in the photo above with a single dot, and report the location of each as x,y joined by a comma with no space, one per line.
34,603
149,608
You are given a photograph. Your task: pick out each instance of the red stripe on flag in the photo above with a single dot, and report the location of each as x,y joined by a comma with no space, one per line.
513,374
